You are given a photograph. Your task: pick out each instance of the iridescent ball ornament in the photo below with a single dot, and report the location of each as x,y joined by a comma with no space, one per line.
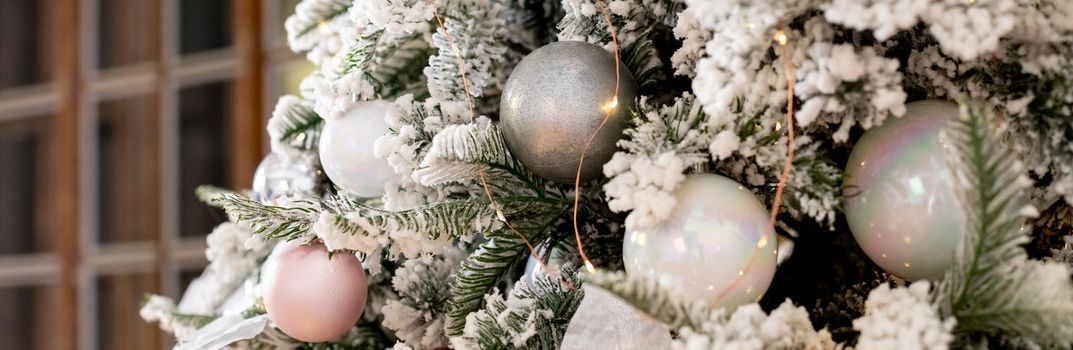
555,100
715,248
310,296
277,177
899,190
346,149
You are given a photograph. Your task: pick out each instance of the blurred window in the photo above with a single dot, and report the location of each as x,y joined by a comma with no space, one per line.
157,112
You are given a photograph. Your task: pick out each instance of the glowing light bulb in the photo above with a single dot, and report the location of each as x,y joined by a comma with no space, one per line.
611,106
780,37
762,243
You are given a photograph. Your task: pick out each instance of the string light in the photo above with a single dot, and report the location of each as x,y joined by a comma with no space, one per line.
503,218
608,109
461,64
780,38
611,106
480,172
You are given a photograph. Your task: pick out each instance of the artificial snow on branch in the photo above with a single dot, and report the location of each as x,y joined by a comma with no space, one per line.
664,142
284,222
993,287
902,318
295,124
485,267
306,28
634,22
416,315
408,232
476,29
459,152
534,316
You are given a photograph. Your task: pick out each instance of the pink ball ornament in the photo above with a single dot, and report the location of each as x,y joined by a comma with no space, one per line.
311,297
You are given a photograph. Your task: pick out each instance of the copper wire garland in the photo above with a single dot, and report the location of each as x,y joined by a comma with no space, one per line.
781,39
608,109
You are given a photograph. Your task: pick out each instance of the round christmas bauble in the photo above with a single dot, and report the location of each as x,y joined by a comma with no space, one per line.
714,248
276,177
533,268
553,102
346,149
310,296
899,191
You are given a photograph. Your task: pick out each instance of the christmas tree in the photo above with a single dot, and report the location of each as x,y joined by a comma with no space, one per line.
821,174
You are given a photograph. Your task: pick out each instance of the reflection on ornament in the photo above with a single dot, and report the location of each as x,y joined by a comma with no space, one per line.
900,199
554,101
532,266
278,177
346,149
310,296
716,247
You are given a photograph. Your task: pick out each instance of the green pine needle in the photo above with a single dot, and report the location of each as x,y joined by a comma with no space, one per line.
993,288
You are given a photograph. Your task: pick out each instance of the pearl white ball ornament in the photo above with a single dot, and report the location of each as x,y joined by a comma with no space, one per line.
899,190
346,149
311,297
712,248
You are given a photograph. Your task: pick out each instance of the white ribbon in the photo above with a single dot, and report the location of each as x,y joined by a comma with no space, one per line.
223,331
603,321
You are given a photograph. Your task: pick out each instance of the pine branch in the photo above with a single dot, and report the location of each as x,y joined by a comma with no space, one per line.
477,30
640,58
308,16
295,123
648,297
992,287
534,316
325,10
390,63
638,52
459,152
268,220
483,269
455,218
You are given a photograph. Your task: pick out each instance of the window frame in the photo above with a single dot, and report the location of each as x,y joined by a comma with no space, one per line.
71,96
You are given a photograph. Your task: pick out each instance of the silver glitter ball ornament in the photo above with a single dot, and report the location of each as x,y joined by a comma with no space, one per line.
292,178
553,102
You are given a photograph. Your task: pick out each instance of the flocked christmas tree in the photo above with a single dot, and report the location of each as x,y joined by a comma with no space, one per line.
821,174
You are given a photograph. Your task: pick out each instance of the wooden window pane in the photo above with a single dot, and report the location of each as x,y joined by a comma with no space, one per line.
23,182
23,30
128,163
205,25
127,32
205,122
119,327
28,316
